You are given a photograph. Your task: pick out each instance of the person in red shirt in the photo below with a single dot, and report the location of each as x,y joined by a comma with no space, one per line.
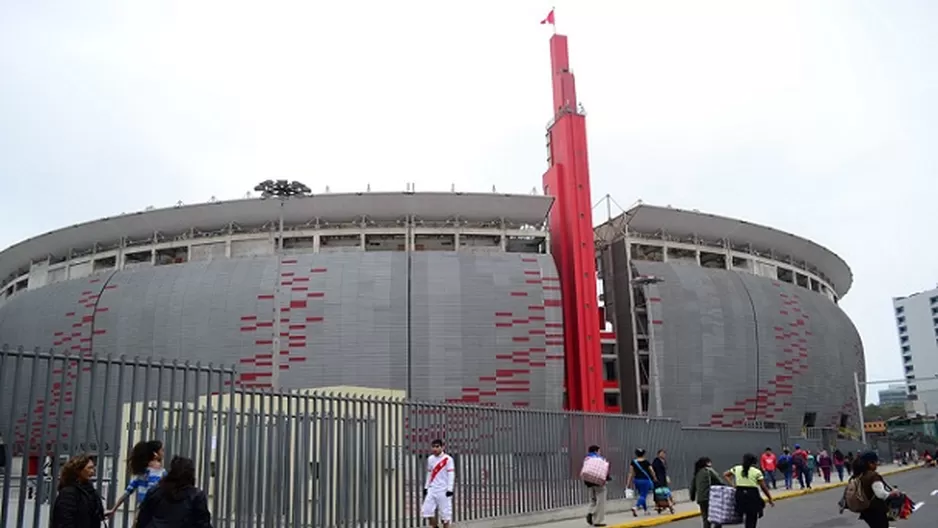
768,464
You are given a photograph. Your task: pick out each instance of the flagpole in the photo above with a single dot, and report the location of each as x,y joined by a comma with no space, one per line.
553,10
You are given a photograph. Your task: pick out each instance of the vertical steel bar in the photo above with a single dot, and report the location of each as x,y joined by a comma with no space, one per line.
10,433
145,400
132,422
263,474
309,484
253,454
76,397
43,428
172,433
293,410
160,408
28,437
243,463
105,415
212,456
177,416
90,418
327,481
232,457
115,450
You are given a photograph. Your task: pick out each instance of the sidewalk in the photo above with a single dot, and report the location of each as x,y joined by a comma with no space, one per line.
686,510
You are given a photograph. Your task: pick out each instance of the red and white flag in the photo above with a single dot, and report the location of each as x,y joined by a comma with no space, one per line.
549,19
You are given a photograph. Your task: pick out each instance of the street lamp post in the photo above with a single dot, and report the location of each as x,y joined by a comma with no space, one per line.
282,190
645,281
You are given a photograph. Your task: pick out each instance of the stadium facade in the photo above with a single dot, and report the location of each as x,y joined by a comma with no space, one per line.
733,324
476,298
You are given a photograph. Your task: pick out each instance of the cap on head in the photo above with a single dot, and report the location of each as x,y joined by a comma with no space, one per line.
870,456
797,446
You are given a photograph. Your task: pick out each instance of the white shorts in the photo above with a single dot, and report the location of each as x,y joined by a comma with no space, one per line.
437,500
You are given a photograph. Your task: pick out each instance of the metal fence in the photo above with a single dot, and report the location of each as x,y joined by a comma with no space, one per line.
308,457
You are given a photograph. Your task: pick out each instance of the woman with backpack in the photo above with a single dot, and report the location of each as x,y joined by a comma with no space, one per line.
866,492
176,502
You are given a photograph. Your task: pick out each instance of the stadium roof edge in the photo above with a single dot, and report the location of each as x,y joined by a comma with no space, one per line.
523,209
649,219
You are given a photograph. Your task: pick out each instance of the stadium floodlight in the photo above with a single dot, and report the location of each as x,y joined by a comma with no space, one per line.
281,189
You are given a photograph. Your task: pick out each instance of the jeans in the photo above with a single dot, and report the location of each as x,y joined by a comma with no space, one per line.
840,472
809,476
826,471
770,478
788,478
642,488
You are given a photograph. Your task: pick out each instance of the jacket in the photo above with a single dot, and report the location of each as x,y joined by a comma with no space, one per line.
77,506
700,486
186,509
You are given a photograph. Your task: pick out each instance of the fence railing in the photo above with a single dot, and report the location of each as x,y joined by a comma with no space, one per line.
313,457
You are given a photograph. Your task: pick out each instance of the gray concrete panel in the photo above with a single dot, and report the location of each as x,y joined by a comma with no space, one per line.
734,347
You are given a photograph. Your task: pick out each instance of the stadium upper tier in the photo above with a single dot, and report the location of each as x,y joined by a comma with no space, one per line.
666,234
370,221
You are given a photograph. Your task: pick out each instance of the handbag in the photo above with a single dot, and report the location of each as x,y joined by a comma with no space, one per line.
722,506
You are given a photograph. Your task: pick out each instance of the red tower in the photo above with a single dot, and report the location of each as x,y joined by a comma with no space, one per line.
571,228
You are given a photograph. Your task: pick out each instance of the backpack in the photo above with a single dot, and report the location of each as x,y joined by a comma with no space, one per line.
784,463
854,498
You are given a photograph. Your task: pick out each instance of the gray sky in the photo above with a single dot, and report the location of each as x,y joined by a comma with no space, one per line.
818,118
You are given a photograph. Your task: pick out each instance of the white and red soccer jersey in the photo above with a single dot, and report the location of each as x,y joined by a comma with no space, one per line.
441,473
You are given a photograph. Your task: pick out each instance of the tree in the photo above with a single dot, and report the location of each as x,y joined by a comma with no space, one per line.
874,413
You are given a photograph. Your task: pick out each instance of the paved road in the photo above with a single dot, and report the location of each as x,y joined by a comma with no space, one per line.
819,510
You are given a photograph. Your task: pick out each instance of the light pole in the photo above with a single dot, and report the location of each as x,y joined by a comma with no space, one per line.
282,190
856,385
645,281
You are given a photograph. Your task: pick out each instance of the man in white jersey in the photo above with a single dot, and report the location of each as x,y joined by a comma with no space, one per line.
438,490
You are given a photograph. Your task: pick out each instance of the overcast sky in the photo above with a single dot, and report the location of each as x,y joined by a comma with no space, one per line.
819,118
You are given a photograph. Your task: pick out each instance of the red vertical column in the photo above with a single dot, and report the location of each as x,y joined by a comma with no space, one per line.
571,227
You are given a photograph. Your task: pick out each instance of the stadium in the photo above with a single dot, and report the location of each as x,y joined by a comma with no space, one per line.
487,299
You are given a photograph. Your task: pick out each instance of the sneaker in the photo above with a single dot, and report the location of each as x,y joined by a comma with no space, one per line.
589,519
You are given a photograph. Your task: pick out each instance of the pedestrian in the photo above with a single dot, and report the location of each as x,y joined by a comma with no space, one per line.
642,476
146,465
811,468
78,504
596,516
662,489
768,463
438,488
839,461
749,480
175,502
786,467
825,462
799,459
704,477
868,495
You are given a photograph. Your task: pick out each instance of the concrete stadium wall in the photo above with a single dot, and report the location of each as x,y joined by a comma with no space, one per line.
734,347
461,327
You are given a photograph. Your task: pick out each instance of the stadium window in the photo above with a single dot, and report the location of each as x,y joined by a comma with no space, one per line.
611,399
609,370
900,310
933,300
810,419
901,319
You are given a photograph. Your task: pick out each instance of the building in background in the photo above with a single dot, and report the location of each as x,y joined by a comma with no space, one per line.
917,326
894,396
734,324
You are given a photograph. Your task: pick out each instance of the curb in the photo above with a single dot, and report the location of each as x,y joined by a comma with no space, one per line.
666,519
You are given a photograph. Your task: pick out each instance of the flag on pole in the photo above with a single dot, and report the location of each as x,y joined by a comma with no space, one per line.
549,19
